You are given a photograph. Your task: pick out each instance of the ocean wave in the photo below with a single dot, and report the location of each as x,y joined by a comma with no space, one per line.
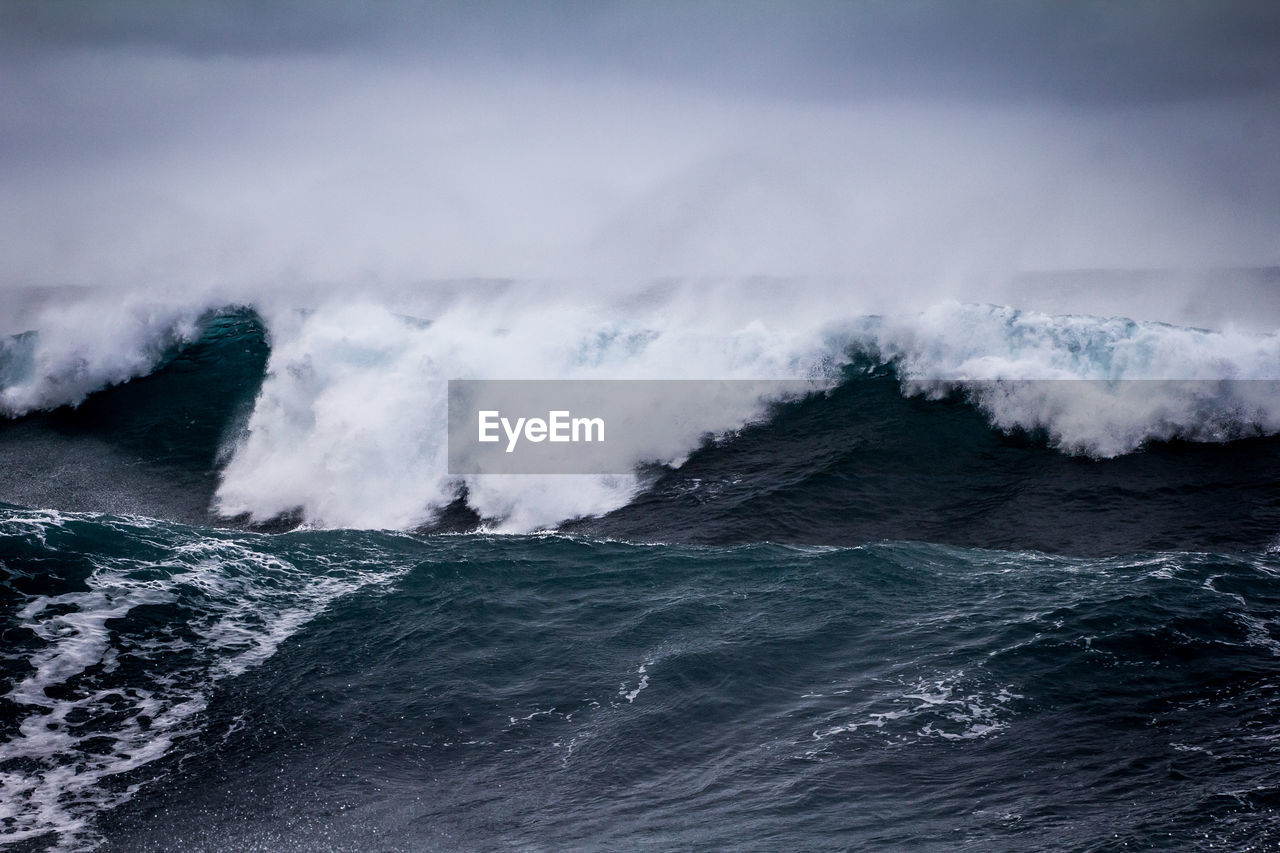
1099,387
83,347
350,424
348,427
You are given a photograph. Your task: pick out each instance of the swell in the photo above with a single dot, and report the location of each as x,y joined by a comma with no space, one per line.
776,688
806,687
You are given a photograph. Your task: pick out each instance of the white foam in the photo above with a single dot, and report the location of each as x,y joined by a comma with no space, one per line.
83,346
239,602
351,423
1196,384
951,707
350,426
641,683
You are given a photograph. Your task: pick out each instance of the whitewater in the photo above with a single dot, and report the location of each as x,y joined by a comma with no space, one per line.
348,428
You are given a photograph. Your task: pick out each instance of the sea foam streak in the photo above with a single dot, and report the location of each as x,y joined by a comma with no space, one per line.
110,689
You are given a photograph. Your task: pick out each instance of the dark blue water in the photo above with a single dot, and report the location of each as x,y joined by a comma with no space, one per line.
872,622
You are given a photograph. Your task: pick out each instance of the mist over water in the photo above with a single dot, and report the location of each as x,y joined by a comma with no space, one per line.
714,144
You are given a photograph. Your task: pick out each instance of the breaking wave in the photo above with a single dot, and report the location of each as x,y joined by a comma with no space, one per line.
346,427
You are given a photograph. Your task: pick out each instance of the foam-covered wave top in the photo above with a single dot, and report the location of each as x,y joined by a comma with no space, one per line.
1098,387
350,426
954,341
351,422
83,347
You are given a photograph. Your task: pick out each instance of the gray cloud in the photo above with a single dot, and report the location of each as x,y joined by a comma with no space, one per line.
1074,50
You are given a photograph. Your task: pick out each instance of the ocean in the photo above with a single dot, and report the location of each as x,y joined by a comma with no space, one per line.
926,360
901,612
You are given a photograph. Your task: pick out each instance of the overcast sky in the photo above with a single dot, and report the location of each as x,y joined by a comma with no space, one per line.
1104,50
225,139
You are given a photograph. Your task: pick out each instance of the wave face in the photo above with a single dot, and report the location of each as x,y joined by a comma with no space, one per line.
349,430
172,686
864,463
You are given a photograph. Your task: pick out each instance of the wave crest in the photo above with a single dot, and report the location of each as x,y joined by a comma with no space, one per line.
349,428
84,347
1094,386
